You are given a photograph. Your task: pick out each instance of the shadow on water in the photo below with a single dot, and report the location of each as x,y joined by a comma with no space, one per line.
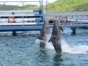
57,60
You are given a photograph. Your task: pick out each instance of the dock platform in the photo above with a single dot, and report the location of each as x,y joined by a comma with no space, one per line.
22,20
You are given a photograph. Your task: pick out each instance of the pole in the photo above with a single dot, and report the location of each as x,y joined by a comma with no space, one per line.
14,33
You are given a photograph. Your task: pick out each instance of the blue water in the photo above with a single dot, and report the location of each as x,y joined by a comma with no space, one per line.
24,50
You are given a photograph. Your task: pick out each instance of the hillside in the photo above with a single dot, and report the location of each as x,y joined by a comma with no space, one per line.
58,6
13,7
68,5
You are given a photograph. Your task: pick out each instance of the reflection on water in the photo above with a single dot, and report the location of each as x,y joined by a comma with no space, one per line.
43,56
57,60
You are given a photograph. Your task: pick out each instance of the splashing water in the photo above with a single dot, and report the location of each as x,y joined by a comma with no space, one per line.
49,45
76,49
66,48
37,41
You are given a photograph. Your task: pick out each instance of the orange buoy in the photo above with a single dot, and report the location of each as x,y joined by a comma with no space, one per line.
64,19
11,19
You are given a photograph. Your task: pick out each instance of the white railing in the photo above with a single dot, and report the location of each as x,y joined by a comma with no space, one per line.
21,2
22,16
70,15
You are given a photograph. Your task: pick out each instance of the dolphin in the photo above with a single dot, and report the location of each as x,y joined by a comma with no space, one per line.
56,36
43,34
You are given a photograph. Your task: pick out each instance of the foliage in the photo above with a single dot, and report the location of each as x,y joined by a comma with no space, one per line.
13,7
57,6
68,5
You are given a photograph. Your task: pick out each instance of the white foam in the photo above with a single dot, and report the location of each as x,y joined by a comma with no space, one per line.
49,45
66,48
37,41
75,49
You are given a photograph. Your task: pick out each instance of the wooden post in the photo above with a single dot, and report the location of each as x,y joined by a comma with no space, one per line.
73,31
14,33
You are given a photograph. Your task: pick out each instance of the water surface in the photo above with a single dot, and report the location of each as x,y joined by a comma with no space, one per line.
24,50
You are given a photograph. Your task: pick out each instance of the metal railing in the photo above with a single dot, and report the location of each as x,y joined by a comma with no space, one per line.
7,10
69,15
